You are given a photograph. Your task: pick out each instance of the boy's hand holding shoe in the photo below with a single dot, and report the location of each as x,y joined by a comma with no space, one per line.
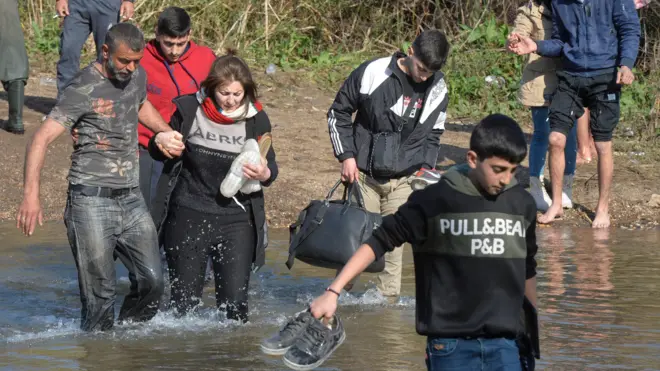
324,305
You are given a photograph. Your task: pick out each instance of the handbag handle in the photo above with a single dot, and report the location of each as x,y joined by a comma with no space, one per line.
354,188
332,191
348,192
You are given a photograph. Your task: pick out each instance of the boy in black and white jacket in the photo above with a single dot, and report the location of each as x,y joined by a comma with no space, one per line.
400,104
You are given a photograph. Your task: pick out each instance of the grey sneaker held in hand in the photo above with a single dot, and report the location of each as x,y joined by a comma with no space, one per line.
315,345
279,343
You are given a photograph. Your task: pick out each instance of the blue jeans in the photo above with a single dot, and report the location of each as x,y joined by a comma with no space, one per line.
100,227
538,148
150,172
479,354
85,17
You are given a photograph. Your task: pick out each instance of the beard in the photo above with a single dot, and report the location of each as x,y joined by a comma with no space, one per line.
116,74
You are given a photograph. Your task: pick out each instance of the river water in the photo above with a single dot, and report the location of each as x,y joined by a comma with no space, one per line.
598,298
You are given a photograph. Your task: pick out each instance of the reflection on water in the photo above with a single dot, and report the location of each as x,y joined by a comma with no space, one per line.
598,300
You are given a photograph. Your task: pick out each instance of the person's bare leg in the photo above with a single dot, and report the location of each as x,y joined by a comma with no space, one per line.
592,146
605,173
584,139
557,166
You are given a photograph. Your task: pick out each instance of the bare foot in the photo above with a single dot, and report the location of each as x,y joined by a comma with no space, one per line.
550,215
602,220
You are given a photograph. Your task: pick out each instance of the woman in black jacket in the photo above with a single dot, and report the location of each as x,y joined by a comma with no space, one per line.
193,218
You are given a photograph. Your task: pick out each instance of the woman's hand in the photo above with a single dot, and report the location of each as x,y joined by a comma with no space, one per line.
169,142
259,172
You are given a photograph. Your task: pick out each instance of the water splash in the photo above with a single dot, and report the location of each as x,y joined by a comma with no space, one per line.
371,297
55,327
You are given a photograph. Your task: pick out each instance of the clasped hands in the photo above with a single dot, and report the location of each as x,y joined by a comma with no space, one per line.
171,145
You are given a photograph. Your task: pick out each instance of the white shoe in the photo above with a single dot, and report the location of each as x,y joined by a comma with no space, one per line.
235,179
262,147
567,192
251,186
540,195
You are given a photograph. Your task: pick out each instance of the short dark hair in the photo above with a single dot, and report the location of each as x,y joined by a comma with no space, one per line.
499,135
124,33
432,49
226,69
173,22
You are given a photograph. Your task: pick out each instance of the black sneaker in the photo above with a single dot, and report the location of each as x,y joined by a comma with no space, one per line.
279,343
315,345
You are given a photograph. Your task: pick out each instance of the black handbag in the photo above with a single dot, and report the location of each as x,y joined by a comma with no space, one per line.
384,159
384,154
328,232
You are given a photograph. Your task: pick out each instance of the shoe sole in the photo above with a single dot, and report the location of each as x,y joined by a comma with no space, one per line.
264,144
316,364
273,351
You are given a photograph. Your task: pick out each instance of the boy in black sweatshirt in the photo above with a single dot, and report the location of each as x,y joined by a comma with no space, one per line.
474,246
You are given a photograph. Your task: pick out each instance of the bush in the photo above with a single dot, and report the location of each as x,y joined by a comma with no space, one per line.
328,38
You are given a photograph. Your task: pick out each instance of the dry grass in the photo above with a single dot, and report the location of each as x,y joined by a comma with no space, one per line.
305,27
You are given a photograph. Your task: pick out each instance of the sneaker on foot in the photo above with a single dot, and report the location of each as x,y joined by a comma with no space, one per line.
315,345
539,194
279,343
424,178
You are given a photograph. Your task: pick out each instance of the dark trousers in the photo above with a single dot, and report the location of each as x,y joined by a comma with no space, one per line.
150,171
190,237
86,16
99,228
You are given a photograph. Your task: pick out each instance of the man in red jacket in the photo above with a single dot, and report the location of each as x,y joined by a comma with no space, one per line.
175,66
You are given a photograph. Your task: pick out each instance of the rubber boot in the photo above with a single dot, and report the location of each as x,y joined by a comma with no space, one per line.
539,194
16,97
567,192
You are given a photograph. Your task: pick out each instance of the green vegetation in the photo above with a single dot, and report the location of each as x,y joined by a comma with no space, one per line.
324,39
